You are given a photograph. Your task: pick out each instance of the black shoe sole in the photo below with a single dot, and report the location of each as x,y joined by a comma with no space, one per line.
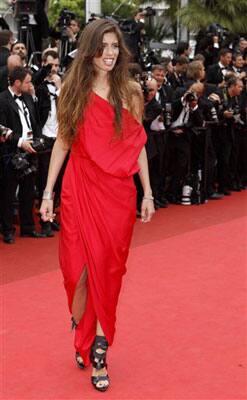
80,365
100,389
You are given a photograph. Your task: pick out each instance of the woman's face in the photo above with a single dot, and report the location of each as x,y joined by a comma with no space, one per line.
107,60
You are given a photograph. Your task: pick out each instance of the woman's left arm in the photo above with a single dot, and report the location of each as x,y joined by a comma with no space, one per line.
147,207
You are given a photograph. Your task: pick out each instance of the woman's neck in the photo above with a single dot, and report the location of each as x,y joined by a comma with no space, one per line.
101,82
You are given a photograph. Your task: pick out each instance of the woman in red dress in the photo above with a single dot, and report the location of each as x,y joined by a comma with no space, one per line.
99,118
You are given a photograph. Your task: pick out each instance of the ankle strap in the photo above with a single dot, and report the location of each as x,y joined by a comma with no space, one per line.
100,342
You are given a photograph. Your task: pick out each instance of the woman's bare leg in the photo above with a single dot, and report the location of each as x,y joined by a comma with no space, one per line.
80,297
79,303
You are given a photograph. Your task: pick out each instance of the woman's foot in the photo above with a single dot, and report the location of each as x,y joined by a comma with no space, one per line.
78,357
100,378
79,360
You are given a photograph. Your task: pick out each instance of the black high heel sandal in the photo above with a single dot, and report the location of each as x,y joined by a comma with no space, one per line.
78,357
98,361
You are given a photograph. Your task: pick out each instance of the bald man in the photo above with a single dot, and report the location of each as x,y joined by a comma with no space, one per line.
12,62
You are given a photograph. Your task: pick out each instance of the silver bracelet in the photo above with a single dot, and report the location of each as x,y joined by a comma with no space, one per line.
148,198
48,195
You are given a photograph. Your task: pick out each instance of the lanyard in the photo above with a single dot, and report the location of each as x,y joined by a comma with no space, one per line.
25,113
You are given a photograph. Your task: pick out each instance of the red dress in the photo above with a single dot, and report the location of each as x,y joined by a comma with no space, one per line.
98,208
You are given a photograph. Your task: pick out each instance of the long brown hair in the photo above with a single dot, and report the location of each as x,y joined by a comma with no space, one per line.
78,82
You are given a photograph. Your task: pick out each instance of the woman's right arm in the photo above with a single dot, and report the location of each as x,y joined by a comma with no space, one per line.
58,155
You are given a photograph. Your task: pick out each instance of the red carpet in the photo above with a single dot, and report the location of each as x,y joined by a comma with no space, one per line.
181,331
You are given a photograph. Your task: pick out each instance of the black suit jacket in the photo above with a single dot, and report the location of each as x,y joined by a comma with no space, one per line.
175,80
152,110
44,102
9,116
3,78
166,94
214,74
4,53
195,117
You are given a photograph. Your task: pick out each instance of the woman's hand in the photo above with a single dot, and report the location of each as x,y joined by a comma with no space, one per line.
46,210
147,210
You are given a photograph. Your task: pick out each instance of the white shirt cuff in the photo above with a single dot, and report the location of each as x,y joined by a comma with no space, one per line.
20,141
157,125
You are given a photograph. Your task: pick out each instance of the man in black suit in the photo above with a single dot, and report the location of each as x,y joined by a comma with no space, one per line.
216,73
226,140
154,127
177,77
47,93
17,112
6,41
186,115
12,61
238,66
165,91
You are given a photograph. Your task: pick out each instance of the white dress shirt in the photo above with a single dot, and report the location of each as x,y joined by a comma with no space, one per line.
25,120
51,126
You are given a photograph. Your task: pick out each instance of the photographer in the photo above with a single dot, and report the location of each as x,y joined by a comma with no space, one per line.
73,32
12,61
20,49
183,49
216,73
47,93
186,115
238,66
6,41
133,30
226,141
66,31
177,78
17,112
154,126
164,92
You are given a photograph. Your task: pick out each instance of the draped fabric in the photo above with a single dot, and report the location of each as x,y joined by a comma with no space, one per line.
98,209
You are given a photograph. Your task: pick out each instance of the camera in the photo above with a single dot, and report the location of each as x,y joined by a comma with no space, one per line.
217,30
237,115
190,96
143,82
65,17
5,132
148,12
24,8
167,111
40,145
22,165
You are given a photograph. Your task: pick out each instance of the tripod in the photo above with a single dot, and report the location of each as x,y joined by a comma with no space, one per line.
26,37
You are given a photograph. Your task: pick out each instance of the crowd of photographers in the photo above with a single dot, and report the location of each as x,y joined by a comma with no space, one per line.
194,116
195,121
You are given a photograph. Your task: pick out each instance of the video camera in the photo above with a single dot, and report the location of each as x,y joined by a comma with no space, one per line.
217,30
23,8
65,17
24,163
148,12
